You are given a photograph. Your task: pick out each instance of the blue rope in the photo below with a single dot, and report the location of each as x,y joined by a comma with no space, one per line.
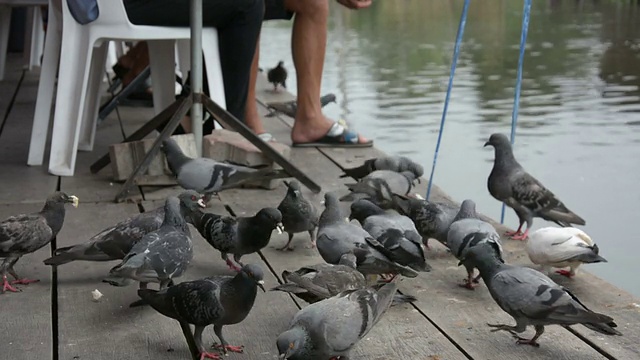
456,52
516,100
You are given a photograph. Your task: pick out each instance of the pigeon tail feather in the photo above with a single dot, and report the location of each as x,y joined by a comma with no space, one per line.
129,266
563,217
158,301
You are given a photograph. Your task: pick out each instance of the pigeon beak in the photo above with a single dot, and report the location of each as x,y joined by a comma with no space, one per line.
201,203
261,285
74,200
280,228
487,144
283,356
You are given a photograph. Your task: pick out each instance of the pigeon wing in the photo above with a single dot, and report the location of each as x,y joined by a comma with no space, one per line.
23,234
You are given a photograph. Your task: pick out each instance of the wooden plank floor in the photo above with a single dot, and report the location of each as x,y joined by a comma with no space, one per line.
57,319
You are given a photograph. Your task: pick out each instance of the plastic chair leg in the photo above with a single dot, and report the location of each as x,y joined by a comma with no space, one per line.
75,50
92,99
46,88
214,71
162,62
5,22
34,35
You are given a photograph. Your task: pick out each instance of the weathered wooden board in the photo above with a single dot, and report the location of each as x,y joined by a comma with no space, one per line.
25,317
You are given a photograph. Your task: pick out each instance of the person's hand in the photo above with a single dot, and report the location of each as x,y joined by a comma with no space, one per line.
355,4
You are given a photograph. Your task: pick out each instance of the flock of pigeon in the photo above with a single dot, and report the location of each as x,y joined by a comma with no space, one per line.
383,239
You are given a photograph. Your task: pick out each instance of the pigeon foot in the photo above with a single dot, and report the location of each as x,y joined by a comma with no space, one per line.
6,286
498,327
208,355
233,266
235,349
286,247
523,341
386,279
468,285
24,281
521,236
565,273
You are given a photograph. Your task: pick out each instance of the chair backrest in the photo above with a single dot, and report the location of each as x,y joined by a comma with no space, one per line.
83,11
97,12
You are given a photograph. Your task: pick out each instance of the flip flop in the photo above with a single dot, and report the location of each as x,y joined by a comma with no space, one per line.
337,137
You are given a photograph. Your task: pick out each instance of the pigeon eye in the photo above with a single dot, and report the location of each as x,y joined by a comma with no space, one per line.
193,198
291,345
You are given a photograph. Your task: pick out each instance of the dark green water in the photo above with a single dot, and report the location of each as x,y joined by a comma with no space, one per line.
579,122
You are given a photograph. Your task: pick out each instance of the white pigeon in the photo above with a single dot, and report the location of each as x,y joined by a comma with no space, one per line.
562,247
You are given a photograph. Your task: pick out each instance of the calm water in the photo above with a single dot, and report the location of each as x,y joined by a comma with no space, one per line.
579,123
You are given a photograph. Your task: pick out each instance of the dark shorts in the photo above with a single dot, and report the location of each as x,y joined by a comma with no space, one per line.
275,10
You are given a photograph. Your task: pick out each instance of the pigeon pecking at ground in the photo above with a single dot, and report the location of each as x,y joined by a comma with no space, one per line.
395,232
115,242
380,186
337,237
512,185
161,255
278,76
562,247
208,176
314,283
468,231
391,163
330,328
432,219
238,236
217,300
26,233
298,214
532,298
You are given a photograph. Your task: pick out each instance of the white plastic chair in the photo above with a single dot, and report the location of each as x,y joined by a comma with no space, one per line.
33,36
84,50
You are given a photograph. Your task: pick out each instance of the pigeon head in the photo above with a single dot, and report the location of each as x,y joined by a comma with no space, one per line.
362,209
175,157
192,200
348,259
331,213
482,256
467,210
416,169
410,175
502,147
254,272
406,204
172,214
294,344
269,218
60,197
280,63
293,188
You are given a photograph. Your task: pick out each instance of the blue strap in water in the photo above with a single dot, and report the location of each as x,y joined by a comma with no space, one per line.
516,101
456,52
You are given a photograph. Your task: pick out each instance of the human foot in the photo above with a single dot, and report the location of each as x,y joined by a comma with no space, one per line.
329,134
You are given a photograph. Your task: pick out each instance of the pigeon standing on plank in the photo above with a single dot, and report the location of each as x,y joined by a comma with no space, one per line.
468,231
217,300
562,247
238,236
115,242
208,176
24,234
380,185
330,328
512,185
532,298
278,76
298,214
395,232
161,255
432,219
290,108
392,163
337,237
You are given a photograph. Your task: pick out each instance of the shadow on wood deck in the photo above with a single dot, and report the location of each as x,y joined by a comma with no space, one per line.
57,319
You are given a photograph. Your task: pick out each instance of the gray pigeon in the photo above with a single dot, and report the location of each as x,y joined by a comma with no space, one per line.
395,232
336,237
24,234
290,108
532,298
217,300
160,255
298,214
330,328
432,219
238,236
278,76
380,185
468,231
115,242
392,163
208,176
512,185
